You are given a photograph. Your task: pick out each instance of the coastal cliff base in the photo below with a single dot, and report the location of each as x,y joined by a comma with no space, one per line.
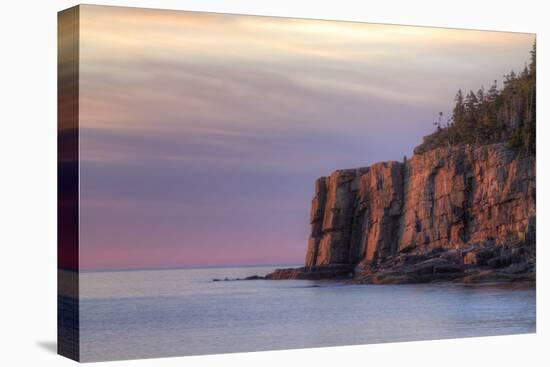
481,263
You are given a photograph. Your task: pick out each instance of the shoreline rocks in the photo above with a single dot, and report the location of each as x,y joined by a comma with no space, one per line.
436,266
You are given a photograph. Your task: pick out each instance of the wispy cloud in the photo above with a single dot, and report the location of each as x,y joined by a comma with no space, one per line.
188,118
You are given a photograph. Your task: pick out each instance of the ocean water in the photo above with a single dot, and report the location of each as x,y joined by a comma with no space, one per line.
158,313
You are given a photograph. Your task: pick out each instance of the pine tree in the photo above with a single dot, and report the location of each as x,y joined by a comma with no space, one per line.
459,110
493,116
533,63
492,93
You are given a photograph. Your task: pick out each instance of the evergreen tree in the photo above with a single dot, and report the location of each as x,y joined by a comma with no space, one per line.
493,116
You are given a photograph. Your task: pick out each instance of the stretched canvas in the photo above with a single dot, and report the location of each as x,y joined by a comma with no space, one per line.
233,183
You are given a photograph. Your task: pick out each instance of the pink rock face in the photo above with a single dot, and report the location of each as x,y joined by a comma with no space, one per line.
452,198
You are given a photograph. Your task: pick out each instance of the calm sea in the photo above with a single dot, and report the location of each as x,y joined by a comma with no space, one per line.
156,313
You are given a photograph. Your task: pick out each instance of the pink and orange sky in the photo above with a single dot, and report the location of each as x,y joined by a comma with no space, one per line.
202,134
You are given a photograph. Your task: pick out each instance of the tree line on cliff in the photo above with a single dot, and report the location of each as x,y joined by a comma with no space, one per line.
492,116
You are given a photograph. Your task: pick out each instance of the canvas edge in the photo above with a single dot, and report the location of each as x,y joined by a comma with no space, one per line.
68,317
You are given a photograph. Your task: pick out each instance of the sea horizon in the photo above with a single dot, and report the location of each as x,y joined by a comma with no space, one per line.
184,267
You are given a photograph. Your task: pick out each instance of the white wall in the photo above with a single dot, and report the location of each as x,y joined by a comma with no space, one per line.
28,181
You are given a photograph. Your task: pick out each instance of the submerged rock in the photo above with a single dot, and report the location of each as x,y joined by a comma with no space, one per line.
252,277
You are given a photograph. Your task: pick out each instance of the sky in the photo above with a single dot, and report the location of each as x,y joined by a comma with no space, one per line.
202,134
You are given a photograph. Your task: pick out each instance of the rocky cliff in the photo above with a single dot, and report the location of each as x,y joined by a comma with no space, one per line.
460,213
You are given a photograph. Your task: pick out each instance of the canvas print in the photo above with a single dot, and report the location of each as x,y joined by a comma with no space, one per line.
233,183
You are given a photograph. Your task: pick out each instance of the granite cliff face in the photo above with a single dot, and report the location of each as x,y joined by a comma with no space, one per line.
460,213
